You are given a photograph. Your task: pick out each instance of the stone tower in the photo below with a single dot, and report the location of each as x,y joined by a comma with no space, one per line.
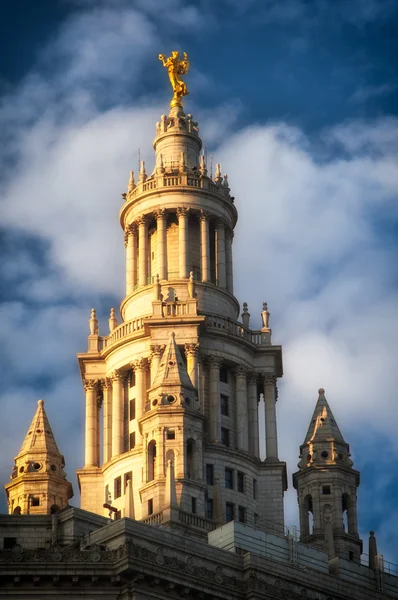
174,388
38,480
326,486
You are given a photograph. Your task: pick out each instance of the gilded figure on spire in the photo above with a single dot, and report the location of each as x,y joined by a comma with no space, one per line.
175,68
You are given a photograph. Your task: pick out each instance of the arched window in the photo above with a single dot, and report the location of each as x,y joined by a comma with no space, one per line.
307,518
190,469
151,460
17,510
348,513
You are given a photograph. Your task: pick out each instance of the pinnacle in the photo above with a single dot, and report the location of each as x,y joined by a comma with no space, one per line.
172,369
39,437
323,425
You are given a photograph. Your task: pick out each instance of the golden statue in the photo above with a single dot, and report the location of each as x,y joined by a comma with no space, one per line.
175,68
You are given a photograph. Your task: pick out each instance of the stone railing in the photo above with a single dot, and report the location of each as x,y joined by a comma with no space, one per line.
180,179
123,331
236,329
196,521
154,519
181,309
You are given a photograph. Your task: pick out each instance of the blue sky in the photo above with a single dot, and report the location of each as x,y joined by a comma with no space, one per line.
298,101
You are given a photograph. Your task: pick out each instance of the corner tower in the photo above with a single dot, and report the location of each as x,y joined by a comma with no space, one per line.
38,481
326,486
179,379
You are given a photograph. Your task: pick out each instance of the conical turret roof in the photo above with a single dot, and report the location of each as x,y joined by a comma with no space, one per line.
323,425
172,370
40,437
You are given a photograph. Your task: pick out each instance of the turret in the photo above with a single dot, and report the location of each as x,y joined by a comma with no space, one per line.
326,486
38,480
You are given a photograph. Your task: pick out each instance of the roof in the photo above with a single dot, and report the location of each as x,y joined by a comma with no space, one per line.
323,425
40,437
172,369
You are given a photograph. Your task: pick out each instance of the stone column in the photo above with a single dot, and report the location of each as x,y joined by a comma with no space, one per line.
182,214
143,250
316,506
338,507
220,254
191,352
228,260
107,409
161,220
252,408
271,440
215,408
92,424
117,413
205,245
242,435
156,355
140,368
130,241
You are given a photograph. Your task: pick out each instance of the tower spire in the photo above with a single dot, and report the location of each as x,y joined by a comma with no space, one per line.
38,480
326,484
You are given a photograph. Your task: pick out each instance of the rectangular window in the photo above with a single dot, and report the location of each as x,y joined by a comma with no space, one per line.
127,477
107,498
9,542
132,440
241,482
209,508
229,478
132,409
224,374
254,489
35,502
229,512
241,514
150,506
171,434
224,401
210,474
326,489
118,488
193,506
225,436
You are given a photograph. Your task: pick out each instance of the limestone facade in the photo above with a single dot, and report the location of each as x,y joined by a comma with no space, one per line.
178,224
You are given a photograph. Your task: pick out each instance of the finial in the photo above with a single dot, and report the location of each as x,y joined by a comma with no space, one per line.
172,335
112,320
93,322
191,285
160,165
183,164
142,171
175,68
321,392
225,182
218,176
245,315
40,403
131,184
202,165
158,289
265,317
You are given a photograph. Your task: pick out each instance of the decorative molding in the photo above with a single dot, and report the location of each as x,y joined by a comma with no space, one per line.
182,211
142,220
140,364
160,213
240,371
191,349
214,361
90,384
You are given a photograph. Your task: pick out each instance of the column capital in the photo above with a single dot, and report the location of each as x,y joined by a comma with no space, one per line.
268,380
241,371
252,378
106,383
214,361
156,350
160,213
220,223
142,220
204,215
118,376
191,349
182,211
131,228
139,364
90,384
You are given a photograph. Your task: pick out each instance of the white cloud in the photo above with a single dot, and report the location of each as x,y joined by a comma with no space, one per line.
306,241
